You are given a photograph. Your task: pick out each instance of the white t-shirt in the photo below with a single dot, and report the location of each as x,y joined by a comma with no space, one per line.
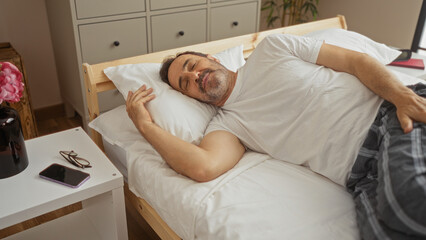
285,105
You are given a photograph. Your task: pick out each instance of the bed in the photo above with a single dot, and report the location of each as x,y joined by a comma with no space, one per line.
260,198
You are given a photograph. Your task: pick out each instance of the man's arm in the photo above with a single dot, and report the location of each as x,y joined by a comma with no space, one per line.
218,152
378,79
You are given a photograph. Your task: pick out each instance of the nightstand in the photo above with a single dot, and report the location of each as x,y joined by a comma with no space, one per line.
26,195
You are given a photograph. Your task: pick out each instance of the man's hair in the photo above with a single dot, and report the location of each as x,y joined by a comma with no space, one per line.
164,71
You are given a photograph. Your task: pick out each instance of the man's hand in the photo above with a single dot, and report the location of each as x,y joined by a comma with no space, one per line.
410,108
135,107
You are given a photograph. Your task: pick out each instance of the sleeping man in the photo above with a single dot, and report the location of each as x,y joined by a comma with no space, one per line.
365,128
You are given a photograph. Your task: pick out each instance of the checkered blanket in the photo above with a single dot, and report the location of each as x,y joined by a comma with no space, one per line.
388,179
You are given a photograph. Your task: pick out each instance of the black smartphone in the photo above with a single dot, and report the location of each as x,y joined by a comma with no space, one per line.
404,56
64,175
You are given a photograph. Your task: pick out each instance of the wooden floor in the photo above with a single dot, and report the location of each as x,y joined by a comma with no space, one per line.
138,229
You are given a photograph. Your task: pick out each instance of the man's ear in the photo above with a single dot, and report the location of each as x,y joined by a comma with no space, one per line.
213,58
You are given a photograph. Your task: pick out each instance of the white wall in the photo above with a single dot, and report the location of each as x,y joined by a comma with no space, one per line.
24,24
392,22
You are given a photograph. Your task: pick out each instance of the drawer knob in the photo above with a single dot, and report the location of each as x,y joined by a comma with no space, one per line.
235,23
181,33
116,43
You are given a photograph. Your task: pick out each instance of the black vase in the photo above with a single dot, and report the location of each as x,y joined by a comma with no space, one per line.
13,154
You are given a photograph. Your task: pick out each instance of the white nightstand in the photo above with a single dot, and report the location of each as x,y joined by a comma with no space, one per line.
26,195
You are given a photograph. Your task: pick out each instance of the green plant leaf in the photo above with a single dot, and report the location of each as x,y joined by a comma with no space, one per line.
278,9
272,20
265,8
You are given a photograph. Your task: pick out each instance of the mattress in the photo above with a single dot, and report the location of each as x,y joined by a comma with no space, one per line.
260,198
117,155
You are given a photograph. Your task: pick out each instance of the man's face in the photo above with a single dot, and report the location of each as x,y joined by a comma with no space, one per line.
199,77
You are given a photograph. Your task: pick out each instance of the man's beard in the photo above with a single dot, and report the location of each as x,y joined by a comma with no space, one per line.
216,86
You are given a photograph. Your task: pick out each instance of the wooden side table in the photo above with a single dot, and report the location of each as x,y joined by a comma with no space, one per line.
26,195
29,127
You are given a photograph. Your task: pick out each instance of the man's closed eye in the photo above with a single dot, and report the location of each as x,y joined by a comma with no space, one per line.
185,83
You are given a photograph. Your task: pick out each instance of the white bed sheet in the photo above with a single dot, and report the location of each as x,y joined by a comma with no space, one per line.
260,198
276,200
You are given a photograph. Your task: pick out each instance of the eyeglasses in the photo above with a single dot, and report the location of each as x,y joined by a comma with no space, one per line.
71,157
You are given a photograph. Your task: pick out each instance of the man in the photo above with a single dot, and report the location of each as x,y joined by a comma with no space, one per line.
284,92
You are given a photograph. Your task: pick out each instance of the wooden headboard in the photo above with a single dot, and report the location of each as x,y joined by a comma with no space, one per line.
96,81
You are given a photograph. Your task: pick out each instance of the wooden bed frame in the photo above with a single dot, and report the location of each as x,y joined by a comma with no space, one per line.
96,82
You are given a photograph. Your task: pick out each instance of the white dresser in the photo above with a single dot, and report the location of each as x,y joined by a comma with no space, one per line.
95,31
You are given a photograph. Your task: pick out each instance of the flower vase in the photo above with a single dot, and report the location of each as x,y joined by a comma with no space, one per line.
13,154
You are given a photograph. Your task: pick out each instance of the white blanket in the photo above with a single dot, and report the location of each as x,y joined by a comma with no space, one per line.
260,198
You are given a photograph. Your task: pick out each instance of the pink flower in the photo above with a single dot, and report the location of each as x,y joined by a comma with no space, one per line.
11,86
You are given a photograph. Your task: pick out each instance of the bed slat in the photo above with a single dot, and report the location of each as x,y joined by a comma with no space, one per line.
150,216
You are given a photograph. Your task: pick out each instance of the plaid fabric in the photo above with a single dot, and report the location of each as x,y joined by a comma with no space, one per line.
388,179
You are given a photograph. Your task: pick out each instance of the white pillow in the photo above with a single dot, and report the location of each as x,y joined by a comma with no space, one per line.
117,128
356,42
182,116
231,58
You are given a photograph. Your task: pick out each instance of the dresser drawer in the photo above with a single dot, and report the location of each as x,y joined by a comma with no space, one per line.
98,8
164,4
178,29
106,41
234,20
97,45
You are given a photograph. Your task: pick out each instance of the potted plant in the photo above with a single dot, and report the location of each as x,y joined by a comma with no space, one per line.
290,12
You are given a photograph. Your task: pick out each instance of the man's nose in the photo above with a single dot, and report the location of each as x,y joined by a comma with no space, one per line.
193,75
